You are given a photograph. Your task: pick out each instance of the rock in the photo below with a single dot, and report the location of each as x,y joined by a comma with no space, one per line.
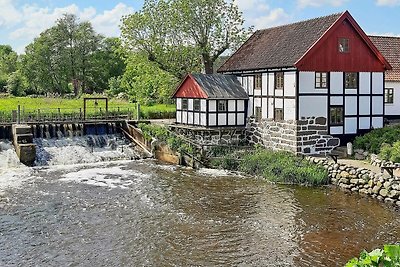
344,181
390,200
359,156
387,185
380,198
354,189
398,203
345,174
364,191
383,192
354,181
376,189
393,193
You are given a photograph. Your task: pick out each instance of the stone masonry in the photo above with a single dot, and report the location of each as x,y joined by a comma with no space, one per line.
306,136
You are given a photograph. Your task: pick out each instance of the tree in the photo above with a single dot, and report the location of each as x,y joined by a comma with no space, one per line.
17,84
143,81
184,35
8,65
71,53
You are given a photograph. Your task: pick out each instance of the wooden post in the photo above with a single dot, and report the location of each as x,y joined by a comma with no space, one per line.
38,114
138,110
19,114
59,114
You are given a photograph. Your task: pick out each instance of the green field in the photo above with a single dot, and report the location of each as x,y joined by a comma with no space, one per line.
64,106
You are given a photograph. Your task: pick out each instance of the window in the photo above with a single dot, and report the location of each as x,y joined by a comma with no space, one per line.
350,80
279,80
321,80
278,114
184,104
389,95
336,115
257,81
222,105
343,45
258,114
196,105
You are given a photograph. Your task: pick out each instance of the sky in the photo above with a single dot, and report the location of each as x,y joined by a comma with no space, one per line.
21,20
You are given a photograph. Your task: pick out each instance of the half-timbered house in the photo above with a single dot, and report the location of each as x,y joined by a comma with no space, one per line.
211,100
310,83
390,48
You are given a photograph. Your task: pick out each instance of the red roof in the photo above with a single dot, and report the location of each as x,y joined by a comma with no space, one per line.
390,48
288,45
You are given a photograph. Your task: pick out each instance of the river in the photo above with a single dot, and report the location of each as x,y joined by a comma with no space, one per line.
123,212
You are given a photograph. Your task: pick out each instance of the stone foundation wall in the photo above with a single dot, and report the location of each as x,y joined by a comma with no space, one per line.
306,136
313,138
279,135
209,136
362,181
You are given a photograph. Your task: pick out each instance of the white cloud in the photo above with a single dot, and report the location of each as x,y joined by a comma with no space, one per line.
388,2
9,15
108,22
389,34
30,20
275,17
258,14
318,3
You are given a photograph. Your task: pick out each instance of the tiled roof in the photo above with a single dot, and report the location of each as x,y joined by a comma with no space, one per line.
390,48
280,46
218,86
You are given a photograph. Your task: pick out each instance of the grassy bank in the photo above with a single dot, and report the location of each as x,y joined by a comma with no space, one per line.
275,166
51,105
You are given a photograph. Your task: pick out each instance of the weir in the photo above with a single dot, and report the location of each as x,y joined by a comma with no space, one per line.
22,135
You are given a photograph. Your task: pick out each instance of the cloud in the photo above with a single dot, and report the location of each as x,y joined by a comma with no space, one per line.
9,15
389,34
318,3
108,22
30,20
258,14
388,2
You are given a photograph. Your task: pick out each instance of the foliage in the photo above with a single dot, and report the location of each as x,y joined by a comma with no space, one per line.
373,141
183,36
8,65
388,257
17,84
390,152
282,166
143,81
71,52
162,134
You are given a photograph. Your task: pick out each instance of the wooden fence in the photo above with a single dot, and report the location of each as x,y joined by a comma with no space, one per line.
22,115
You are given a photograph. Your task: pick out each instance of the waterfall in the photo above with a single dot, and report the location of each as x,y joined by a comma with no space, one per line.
8,157
84,149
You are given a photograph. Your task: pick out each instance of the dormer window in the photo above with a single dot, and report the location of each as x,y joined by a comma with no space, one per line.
343,45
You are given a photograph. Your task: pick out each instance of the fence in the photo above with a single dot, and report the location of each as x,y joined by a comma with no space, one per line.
67,114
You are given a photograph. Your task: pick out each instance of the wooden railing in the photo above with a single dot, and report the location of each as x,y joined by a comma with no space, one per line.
66,114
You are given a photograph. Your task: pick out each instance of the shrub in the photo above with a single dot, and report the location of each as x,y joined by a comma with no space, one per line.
389,256
391,153
373,141
277,166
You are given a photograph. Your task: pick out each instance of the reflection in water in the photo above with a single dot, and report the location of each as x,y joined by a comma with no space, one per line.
141,213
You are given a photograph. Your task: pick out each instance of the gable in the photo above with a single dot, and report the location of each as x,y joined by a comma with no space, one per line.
325,56
390,48
189,89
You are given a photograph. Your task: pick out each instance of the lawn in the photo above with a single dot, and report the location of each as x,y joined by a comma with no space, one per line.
51,105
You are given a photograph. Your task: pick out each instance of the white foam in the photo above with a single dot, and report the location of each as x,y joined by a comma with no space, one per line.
112,177
216,172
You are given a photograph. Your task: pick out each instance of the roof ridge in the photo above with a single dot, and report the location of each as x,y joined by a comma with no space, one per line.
384,36
302,21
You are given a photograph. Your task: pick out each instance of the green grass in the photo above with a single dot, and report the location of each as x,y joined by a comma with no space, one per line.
51,105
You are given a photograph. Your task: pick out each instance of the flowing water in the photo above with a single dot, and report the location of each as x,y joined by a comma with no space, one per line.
144,213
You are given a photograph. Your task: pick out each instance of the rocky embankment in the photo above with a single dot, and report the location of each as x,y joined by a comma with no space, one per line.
362,180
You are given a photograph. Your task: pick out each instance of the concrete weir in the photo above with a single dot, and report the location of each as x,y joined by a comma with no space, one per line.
23,143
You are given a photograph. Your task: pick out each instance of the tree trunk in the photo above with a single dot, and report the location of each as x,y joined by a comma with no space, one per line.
208,64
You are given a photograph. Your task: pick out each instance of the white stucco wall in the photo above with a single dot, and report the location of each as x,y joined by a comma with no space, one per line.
393,109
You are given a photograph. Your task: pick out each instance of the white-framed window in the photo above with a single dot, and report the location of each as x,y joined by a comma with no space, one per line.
351,80
279,80
278,114
257,81
389,95
184,104
222,105
321,80
196,104
336,115
344,45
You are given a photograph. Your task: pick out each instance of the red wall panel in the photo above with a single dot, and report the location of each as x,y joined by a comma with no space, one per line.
325,55
190,89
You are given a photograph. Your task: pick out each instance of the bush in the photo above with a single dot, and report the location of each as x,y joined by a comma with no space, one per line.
391,153
283,167
373,141
389,256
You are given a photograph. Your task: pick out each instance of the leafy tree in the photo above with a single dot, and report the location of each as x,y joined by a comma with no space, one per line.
71,53
17,84
8,64
143,81
184,35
